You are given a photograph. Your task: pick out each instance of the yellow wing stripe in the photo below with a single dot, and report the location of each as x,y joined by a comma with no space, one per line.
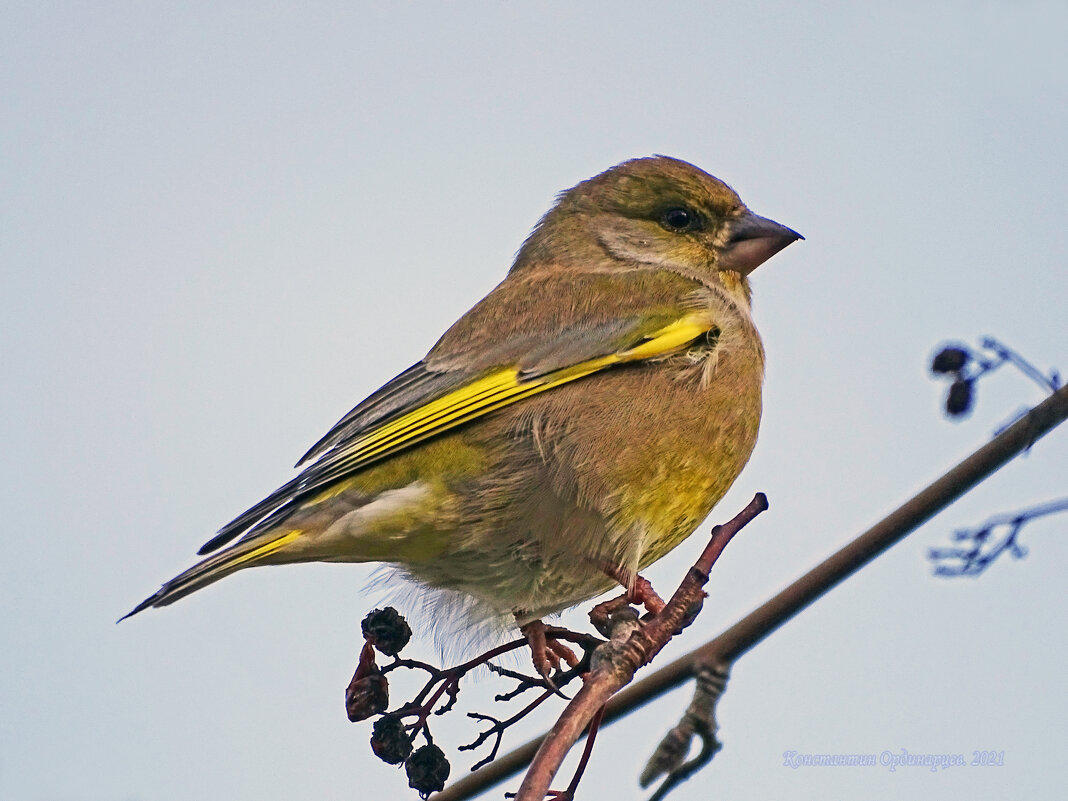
265,549
504,387
477,392
669,338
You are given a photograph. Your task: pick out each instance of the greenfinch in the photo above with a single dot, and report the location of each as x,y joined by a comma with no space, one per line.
569,430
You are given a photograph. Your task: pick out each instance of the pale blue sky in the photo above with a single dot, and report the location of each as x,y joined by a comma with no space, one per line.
221,225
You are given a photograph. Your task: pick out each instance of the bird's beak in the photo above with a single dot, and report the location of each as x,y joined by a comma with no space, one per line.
753,240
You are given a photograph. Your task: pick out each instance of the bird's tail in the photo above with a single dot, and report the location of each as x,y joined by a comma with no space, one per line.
238,556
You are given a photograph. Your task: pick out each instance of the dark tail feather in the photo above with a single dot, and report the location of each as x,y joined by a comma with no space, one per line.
243,554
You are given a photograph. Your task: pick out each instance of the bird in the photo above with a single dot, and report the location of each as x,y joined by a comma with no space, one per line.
573,427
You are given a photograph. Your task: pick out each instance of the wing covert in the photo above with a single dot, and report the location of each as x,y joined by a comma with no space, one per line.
421,403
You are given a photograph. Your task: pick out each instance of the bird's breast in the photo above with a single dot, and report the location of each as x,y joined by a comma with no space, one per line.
652,447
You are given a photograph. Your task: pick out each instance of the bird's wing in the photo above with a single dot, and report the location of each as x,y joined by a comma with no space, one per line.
421,402
531,355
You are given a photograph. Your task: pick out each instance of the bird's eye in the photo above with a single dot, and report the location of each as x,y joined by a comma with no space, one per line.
680,219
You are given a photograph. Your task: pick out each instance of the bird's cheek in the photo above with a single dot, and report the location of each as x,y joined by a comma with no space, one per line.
670,253
626,243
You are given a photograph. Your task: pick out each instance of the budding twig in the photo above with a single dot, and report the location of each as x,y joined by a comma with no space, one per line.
985,548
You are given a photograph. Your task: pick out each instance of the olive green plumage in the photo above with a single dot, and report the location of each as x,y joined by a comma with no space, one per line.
586,415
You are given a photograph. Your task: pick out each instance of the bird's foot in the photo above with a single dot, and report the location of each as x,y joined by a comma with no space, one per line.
640,592
546,652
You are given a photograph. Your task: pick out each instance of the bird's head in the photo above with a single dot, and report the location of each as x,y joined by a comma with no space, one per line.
656,212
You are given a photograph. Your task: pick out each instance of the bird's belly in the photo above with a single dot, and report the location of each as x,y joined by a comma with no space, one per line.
591,480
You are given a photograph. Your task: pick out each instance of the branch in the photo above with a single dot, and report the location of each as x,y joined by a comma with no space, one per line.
632,645
757,625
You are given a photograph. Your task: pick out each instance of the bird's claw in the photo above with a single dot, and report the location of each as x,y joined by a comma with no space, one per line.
547,653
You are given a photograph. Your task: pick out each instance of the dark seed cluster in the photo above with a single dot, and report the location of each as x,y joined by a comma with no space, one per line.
953,361
386,631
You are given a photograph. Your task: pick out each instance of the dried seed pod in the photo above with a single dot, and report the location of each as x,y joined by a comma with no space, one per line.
427,770
367,696
960,397
950,360
387,630
389,741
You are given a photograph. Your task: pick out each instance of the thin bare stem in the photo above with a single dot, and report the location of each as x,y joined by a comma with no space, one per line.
584,760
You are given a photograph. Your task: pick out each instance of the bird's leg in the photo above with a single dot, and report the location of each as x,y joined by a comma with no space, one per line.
639,591
546,652
642,593
534,631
